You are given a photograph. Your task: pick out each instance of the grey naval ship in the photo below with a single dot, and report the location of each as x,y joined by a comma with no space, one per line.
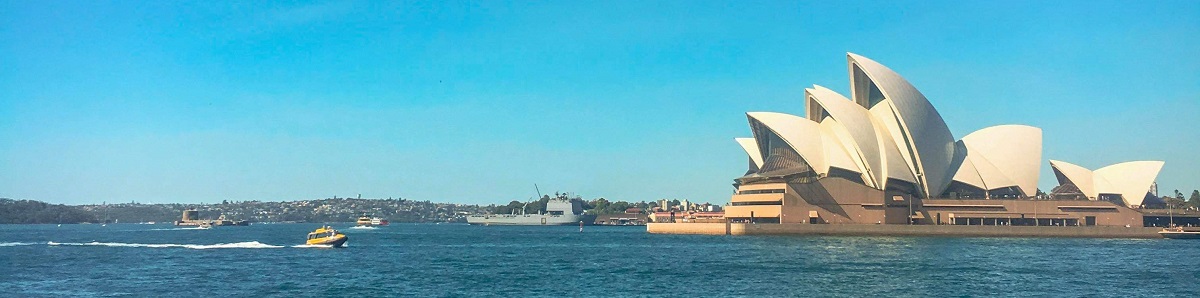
559,211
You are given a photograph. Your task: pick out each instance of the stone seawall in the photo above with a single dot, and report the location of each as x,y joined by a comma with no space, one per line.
688,228
903,230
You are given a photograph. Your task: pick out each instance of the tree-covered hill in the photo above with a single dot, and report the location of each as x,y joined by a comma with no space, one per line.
35,212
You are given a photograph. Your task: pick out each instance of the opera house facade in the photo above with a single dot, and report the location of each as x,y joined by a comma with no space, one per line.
883,155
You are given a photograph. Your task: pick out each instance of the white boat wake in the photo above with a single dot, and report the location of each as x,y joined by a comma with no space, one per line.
6,244
313,246
363,228
177,229
250,244
347,244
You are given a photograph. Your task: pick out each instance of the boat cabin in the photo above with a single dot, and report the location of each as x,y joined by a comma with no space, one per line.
322,233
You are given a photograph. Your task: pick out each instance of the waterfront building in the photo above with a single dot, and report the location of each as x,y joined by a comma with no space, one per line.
687,217
631,217
884,155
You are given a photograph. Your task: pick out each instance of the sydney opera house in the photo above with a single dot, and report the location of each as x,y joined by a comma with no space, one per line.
883,155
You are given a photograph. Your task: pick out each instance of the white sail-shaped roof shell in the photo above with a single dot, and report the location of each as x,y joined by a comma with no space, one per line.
853,129
910,118
752,150
1013,151
991,174
1079,176
887,131
867,140
803,135
832,136
968,174
1131,180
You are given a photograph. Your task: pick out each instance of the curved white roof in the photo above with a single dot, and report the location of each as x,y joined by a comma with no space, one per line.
896,166
1131,179
969,175
991,174
801,134
872,145
836,149
860,136
888,130
751,148
912,120
1014,150
1080,176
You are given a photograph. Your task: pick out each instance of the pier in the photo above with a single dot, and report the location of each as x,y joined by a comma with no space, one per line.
905,230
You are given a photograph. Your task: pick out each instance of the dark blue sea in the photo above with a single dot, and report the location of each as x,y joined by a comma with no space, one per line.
452,260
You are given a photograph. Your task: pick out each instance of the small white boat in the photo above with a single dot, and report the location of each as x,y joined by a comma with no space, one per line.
1178,233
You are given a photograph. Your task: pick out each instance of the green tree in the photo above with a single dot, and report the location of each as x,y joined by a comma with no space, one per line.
507,209
538,206
618,207
1194,201
599,205
36,212
1174,202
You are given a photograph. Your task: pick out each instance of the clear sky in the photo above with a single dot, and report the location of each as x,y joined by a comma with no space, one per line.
474,102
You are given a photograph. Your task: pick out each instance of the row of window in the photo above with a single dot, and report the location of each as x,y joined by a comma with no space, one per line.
320,235
767,203
759,191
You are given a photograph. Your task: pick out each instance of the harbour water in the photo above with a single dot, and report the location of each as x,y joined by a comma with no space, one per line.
429,260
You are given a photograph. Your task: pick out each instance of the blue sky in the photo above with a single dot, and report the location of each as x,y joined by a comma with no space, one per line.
167,101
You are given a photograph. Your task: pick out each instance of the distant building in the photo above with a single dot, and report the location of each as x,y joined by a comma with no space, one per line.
631,217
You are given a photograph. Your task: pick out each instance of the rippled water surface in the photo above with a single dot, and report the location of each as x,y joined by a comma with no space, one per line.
460,260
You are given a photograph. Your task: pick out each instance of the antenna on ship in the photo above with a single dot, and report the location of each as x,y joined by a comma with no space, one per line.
539,191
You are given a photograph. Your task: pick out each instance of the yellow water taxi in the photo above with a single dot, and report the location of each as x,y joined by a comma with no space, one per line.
327,236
